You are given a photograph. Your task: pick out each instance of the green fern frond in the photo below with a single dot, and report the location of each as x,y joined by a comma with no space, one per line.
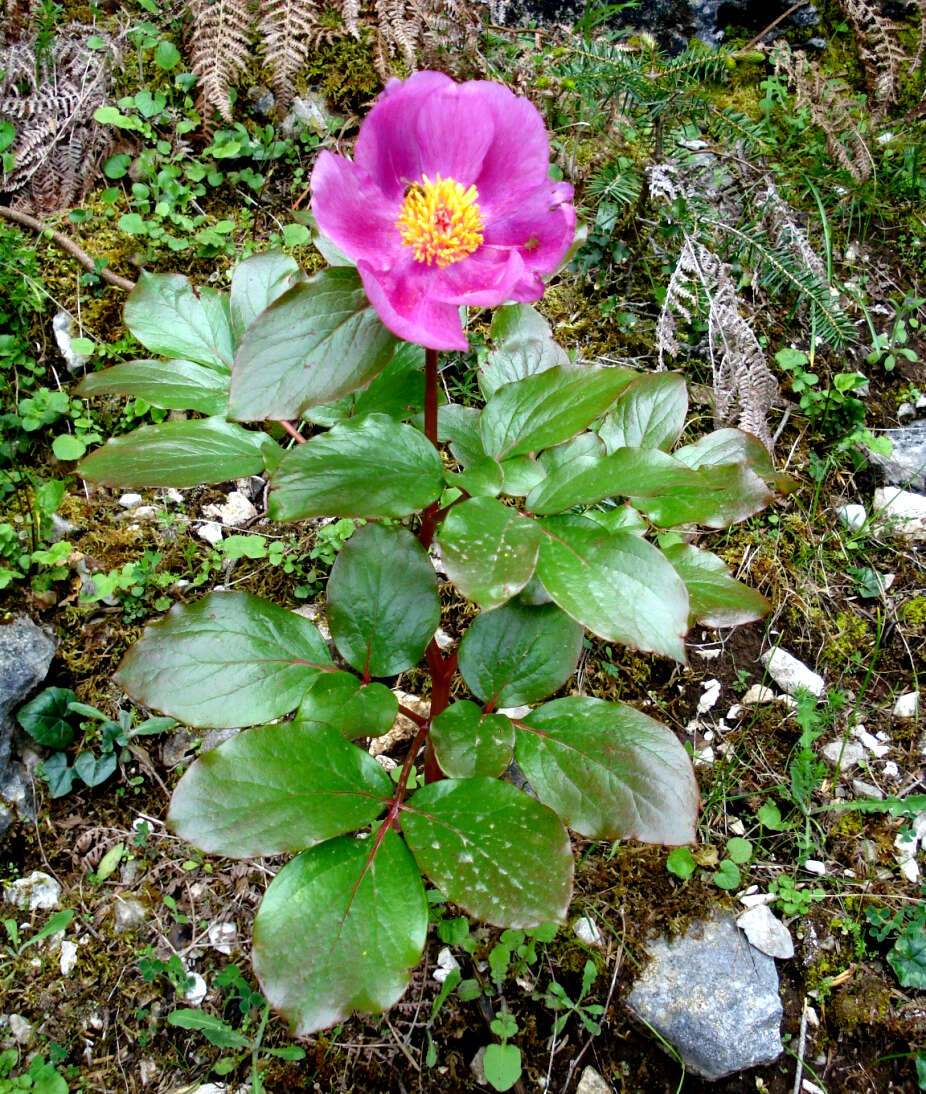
618,183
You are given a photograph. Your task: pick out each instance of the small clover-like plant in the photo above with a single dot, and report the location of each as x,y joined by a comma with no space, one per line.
560,505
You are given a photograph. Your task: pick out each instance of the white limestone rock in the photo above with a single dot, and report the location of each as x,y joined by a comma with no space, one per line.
905,510
37,892
907,706
766,932
790,674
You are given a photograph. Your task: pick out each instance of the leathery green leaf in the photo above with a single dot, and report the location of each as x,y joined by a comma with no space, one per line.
371,467
468,742
492,849
616,584
353,708
169,317
520,653
383,605
609,771
716,598
277,788
256,283
489,550
340,929
171,385
230,659
650,413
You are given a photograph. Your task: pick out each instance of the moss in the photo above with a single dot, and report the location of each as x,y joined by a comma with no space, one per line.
345,71
913,613
847,636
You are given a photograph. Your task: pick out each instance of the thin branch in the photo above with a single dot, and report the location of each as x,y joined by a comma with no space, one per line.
68,245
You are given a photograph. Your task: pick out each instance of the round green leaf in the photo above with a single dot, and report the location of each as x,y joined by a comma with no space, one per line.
519,653
277,788
650,413
371,467
339,929
468,742
44,718
383,605
727,875
907,957
681,863
609,771
318,341
178,454
166,55
489,550
117,166
492,849
502,1065
618,585
354,709
231,659
68,447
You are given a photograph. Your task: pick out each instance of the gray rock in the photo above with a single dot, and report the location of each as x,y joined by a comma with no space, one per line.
21,1029
907,706
128,914
713,997
844,753
178,747
592,1083
766,932
37,892
216,737
25,654
852,516
906,465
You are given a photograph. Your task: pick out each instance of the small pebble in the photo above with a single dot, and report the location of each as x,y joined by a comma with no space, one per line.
790,674
67,959
130,501
766,932
852,516
234,511
223,936
210,531
814,866
37,892
592,1083
446,963
196,992
844,753
905,412
710,696
871,742
128,914
907,706
586,930
866,790
758,693
20,1028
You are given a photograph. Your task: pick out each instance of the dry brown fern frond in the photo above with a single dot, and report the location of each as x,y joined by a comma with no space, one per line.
879,49
450,40
828,101
219,50
287,29
744,388
781,225
399,28
52,99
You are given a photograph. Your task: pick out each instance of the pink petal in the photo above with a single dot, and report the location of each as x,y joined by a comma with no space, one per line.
352,211
483,279
541,229
404,301
452,136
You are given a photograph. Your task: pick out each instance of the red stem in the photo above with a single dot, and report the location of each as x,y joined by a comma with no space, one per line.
294,433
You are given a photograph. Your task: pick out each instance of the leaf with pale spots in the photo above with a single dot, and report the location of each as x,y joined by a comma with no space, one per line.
339,930
353,708
609,771
383,605
468,742
489,550
277,788
520,653
492,849
230,659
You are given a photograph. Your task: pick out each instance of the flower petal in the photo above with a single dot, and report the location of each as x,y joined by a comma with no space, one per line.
387,147
352,211
542,228
403,298
483,279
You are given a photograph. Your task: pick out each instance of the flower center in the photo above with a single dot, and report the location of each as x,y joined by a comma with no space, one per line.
440,220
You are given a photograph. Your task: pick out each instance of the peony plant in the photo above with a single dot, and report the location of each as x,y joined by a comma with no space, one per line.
560,504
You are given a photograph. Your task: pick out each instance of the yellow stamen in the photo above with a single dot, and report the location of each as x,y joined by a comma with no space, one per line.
440,220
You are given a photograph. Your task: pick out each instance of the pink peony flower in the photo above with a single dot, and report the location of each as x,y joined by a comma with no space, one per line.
446,202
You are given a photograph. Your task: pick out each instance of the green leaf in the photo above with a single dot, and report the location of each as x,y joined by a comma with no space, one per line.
739,850
168,317
95,770
318,341
468,742
547,408
908,957
372,467
44,718
277,788
171,385
110,861
216,1030
716,497
256,283
383,606
489,550
398,390
726,446
59,776
68,447
460,426
295,235
618,585
117,166
166,55
715,598
180,454
727,875
502,1065
609,771
681,863
133,223
231,659
524,345
354,709
650,413
339,929
492,849
519,654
